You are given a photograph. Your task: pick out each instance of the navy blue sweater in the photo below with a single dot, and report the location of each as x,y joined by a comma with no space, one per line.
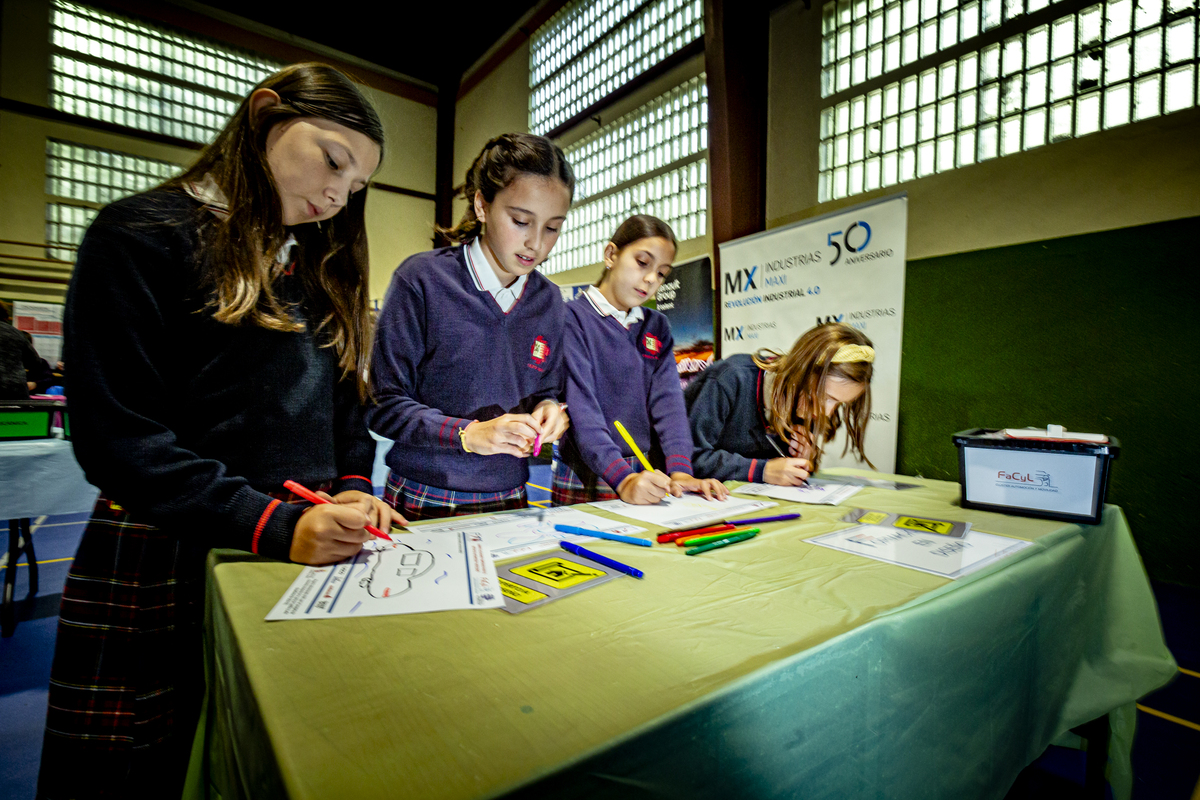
725,411
445,354
627,375
187,421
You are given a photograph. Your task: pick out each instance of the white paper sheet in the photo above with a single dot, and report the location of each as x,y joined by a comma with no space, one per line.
514,533
685,512
950,558
817,492
439,571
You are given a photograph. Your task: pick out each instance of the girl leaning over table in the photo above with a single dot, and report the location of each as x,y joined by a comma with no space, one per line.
621,367
767,417
468,361
217,328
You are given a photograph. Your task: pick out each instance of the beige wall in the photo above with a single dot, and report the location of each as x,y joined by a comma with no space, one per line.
1132,175
398,225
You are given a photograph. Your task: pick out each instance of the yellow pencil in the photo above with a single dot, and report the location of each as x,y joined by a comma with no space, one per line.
636,450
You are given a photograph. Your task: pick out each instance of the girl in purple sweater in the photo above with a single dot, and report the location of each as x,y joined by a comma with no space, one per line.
621,367
467,368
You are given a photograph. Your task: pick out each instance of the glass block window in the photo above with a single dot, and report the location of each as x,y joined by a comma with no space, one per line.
65,225
1107,65
114,69
680,197
89,177
591,48
671,127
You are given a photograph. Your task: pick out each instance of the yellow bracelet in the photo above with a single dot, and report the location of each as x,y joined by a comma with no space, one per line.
462,436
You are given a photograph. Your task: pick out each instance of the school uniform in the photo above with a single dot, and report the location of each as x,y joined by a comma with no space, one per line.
620,366
189,427
451,346
725,411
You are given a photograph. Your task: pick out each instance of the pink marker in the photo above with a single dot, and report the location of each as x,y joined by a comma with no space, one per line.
313,497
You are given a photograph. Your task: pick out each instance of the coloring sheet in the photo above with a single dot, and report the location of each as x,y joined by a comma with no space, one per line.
950,558
436,571
688,511
815,492
530,530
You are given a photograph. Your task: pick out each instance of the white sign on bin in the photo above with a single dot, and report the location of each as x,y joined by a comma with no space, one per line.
1064,483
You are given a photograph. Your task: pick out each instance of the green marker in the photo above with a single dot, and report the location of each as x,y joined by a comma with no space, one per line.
716,537
704,548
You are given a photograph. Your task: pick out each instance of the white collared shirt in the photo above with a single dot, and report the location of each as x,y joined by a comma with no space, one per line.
607,309
486,280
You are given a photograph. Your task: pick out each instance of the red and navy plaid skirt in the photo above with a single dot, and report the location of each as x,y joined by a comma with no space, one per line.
420,501
569,488
127,680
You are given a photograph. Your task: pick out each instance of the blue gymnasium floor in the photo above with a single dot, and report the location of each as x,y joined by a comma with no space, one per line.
1167,719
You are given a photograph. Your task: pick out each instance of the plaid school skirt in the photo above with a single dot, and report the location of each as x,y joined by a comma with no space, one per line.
420,501
568,487
127,680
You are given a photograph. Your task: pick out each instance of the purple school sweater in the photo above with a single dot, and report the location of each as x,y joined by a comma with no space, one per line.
627,375
445,354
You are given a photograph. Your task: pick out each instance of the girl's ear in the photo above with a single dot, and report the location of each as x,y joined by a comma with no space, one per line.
261,99
480,206
610,255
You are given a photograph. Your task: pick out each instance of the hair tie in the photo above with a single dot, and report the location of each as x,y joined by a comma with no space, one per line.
850,353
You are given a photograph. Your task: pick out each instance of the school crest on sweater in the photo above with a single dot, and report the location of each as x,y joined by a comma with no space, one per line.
652,345
539,353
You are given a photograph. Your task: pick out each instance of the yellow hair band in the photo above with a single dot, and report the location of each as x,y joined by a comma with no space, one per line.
851,353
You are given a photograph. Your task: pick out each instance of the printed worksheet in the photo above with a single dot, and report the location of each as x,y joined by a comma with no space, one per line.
950,558
688,511
530,530
414,573
816,492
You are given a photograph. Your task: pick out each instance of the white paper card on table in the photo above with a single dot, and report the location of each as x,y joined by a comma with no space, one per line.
815,492
688,511
950,558
531,530
440,571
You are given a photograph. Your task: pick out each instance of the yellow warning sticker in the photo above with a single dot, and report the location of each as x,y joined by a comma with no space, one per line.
926,525
522,594
872,517
558,572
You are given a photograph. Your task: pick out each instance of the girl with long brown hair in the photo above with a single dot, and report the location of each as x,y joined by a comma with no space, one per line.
217,328
468,363
767,417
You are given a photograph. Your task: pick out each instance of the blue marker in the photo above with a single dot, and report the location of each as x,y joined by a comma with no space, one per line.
599,559
603,535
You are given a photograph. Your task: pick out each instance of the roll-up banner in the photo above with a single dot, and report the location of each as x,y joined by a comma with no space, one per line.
846,266
686,298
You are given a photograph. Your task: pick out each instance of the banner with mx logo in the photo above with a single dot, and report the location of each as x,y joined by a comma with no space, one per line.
845,266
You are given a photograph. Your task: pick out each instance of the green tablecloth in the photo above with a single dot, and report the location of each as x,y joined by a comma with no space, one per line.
774,668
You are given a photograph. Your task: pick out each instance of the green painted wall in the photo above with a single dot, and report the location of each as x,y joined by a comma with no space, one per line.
1098,333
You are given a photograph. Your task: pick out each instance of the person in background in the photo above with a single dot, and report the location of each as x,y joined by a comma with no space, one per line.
468,365
767,417
21,368
218,331
621,367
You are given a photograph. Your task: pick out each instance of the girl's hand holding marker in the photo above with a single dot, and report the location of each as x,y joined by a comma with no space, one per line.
519,435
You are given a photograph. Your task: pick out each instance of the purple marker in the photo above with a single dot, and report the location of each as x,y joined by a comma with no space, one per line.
758,520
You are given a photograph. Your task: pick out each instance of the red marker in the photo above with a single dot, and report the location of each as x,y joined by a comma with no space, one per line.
313,497
673,535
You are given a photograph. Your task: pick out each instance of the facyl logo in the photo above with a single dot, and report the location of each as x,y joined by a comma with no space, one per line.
1039,478
741,281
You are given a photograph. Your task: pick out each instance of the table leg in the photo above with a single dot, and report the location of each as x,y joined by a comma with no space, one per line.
8,619
30,558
